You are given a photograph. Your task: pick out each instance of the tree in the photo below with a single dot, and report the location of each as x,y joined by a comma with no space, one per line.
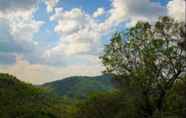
182,43
149,58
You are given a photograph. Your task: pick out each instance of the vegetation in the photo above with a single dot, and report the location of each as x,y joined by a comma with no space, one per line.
147,64
20,100
80,87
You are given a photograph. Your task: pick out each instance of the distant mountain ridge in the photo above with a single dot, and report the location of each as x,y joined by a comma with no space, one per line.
80,86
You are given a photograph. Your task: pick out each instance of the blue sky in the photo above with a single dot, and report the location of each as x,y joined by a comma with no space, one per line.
46,40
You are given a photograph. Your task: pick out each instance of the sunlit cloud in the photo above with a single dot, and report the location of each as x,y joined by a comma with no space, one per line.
80,34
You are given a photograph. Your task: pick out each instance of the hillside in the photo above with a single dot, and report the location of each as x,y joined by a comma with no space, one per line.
80,86
21,100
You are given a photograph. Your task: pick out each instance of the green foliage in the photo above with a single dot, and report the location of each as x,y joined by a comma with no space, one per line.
20,100
102,105
176,100
146,62
80,87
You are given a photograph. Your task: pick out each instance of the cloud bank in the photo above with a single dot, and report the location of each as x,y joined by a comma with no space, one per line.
81,34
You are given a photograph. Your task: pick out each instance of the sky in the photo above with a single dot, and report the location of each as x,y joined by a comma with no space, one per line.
47,40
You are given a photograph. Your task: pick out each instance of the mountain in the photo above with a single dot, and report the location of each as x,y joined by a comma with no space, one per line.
21,100
80,86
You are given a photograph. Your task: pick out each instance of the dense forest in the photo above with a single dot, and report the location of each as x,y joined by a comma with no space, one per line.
80,86
147,65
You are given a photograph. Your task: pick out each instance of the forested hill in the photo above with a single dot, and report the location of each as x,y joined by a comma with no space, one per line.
80,86
21,100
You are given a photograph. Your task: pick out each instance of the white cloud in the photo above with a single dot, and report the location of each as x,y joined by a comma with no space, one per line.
117,14
18,15
83,41
22,25
78,32
14,5
81,33
69,21
51,4
20,33
38,74
131,11
19,26
80,36
177,9
99,12
118,11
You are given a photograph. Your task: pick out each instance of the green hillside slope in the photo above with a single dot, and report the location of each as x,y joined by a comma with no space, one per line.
20,100
80,86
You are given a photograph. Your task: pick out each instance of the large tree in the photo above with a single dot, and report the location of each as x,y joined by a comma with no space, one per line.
150,57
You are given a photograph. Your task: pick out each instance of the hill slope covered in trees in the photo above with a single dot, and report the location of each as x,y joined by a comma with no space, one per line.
80,86
21,100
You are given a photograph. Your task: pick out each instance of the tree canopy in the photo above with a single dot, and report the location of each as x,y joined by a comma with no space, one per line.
149,59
